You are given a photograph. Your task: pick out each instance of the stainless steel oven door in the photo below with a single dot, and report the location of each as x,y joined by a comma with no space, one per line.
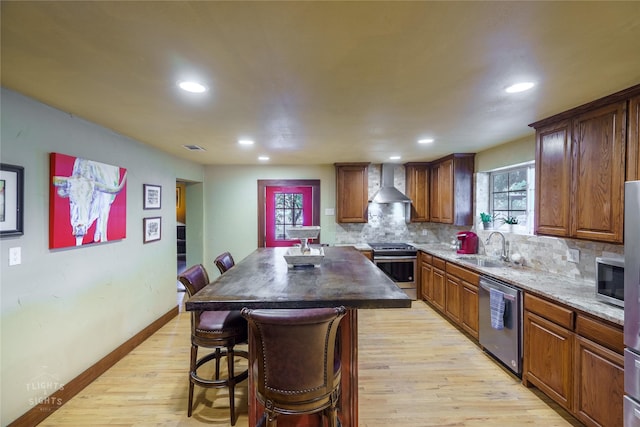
402,270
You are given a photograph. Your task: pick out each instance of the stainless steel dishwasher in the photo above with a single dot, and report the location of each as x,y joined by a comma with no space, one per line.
504,339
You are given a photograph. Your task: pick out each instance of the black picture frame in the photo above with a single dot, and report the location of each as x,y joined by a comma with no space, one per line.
151,196
11,200
151,229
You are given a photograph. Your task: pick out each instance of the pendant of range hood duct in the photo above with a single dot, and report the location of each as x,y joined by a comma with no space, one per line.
387,192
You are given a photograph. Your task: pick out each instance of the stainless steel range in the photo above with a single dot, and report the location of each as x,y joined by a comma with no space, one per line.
398,261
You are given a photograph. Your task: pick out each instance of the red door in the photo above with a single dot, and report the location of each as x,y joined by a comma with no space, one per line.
286,207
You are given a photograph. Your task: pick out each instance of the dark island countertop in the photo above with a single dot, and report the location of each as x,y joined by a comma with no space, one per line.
263,280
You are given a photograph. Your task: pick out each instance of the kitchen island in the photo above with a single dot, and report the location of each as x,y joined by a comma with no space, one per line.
345,277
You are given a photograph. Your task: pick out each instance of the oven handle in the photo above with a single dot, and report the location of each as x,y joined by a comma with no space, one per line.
394,258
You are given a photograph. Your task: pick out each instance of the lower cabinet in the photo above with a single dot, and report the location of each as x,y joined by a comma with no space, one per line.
426,276
453,303
548,358
469,320
438,284
575,360
451,289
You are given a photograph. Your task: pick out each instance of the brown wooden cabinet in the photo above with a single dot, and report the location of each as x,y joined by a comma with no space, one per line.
452,290
453,298
633,140
598,174
426,277
553,179
599,384
352,188
574,359
451,190
580,174
438,283
583,157
417,189
548,358
462,305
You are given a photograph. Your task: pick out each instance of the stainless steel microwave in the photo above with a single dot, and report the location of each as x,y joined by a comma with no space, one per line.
610,280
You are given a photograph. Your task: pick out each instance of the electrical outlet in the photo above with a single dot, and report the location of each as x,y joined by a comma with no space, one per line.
425,232
329,211
15,256
573,255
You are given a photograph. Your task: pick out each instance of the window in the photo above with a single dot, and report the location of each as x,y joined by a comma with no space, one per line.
511,195
288,213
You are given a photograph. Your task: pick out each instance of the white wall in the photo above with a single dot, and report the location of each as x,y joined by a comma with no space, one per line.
231,206
63,310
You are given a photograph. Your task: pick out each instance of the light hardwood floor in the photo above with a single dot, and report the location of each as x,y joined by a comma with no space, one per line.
415,369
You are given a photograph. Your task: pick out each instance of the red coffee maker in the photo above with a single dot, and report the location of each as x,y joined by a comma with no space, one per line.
467,242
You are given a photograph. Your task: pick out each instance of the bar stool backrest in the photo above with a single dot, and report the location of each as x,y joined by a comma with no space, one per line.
194,278
298,369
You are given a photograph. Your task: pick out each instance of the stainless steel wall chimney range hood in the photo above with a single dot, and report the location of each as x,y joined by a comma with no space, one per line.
388,193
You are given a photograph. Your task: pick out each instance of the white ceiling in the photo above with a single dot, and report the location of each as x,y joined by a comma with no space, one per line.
318,82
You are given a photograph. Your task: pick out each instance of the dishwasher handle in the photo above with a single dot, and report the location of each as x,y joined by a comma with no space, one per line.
506,296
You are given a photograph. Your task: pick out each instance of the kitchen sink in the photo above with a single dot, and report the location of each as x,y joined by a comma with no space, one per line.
482,262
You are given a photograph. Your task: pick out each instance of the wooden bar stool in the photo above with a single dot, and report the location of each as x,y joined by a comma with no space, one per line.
220,330
298,366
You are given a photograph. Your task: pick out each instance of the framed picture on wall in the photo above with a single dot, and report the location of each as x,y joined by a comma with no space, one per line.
11,200
152,229
87,202
152,196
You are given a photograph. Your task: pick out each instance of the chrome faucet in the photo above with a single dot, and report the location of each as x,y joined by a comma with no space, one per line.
505,245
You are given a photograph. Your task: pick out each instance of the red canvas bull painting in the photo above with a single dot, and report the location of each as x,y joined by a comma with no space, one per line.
87,202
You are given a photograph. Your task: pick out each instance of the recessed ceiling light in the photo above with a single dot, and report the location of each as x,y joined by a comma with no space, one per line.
263,158
425,141
193,87
394,158
245,142
519,87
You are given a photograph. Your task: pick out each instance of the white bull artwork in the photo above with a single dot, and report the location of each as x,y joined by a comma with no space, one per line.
91,189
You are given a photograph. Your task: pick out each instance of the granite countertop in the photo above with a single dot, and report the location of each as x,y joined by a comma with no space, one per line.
579,294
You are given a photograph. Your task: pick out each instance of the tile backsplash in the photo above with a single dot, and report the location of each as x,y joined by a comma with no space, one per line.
387,224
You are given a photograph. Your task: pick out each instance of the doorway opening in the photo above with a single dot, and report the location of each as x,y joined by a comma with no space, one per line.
181,231
283,204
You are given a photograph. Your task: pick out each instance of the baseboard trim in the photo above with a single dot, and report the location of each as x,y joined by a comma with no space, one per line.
38,413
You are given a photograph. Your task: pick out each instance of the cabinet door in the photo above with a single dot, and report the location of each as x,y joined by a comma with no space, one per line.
553,179
598,174
352,187
633,140
434,195
426,280
453,292
599,384
469,317
445,191
438,283
417,178
548,358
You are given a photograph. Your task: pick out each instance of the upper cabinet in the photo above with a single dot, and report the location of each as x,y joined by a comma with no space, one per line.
598,174
352,192
633,140
451,190
582,159
417,188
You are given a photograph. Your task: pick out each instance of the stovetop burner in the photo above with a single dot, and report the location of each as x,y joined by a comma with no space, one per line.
390,246
392,249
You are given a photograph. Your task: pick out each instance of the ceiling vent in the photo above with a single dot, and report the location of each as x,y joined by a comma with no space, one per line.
388,193
194,148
